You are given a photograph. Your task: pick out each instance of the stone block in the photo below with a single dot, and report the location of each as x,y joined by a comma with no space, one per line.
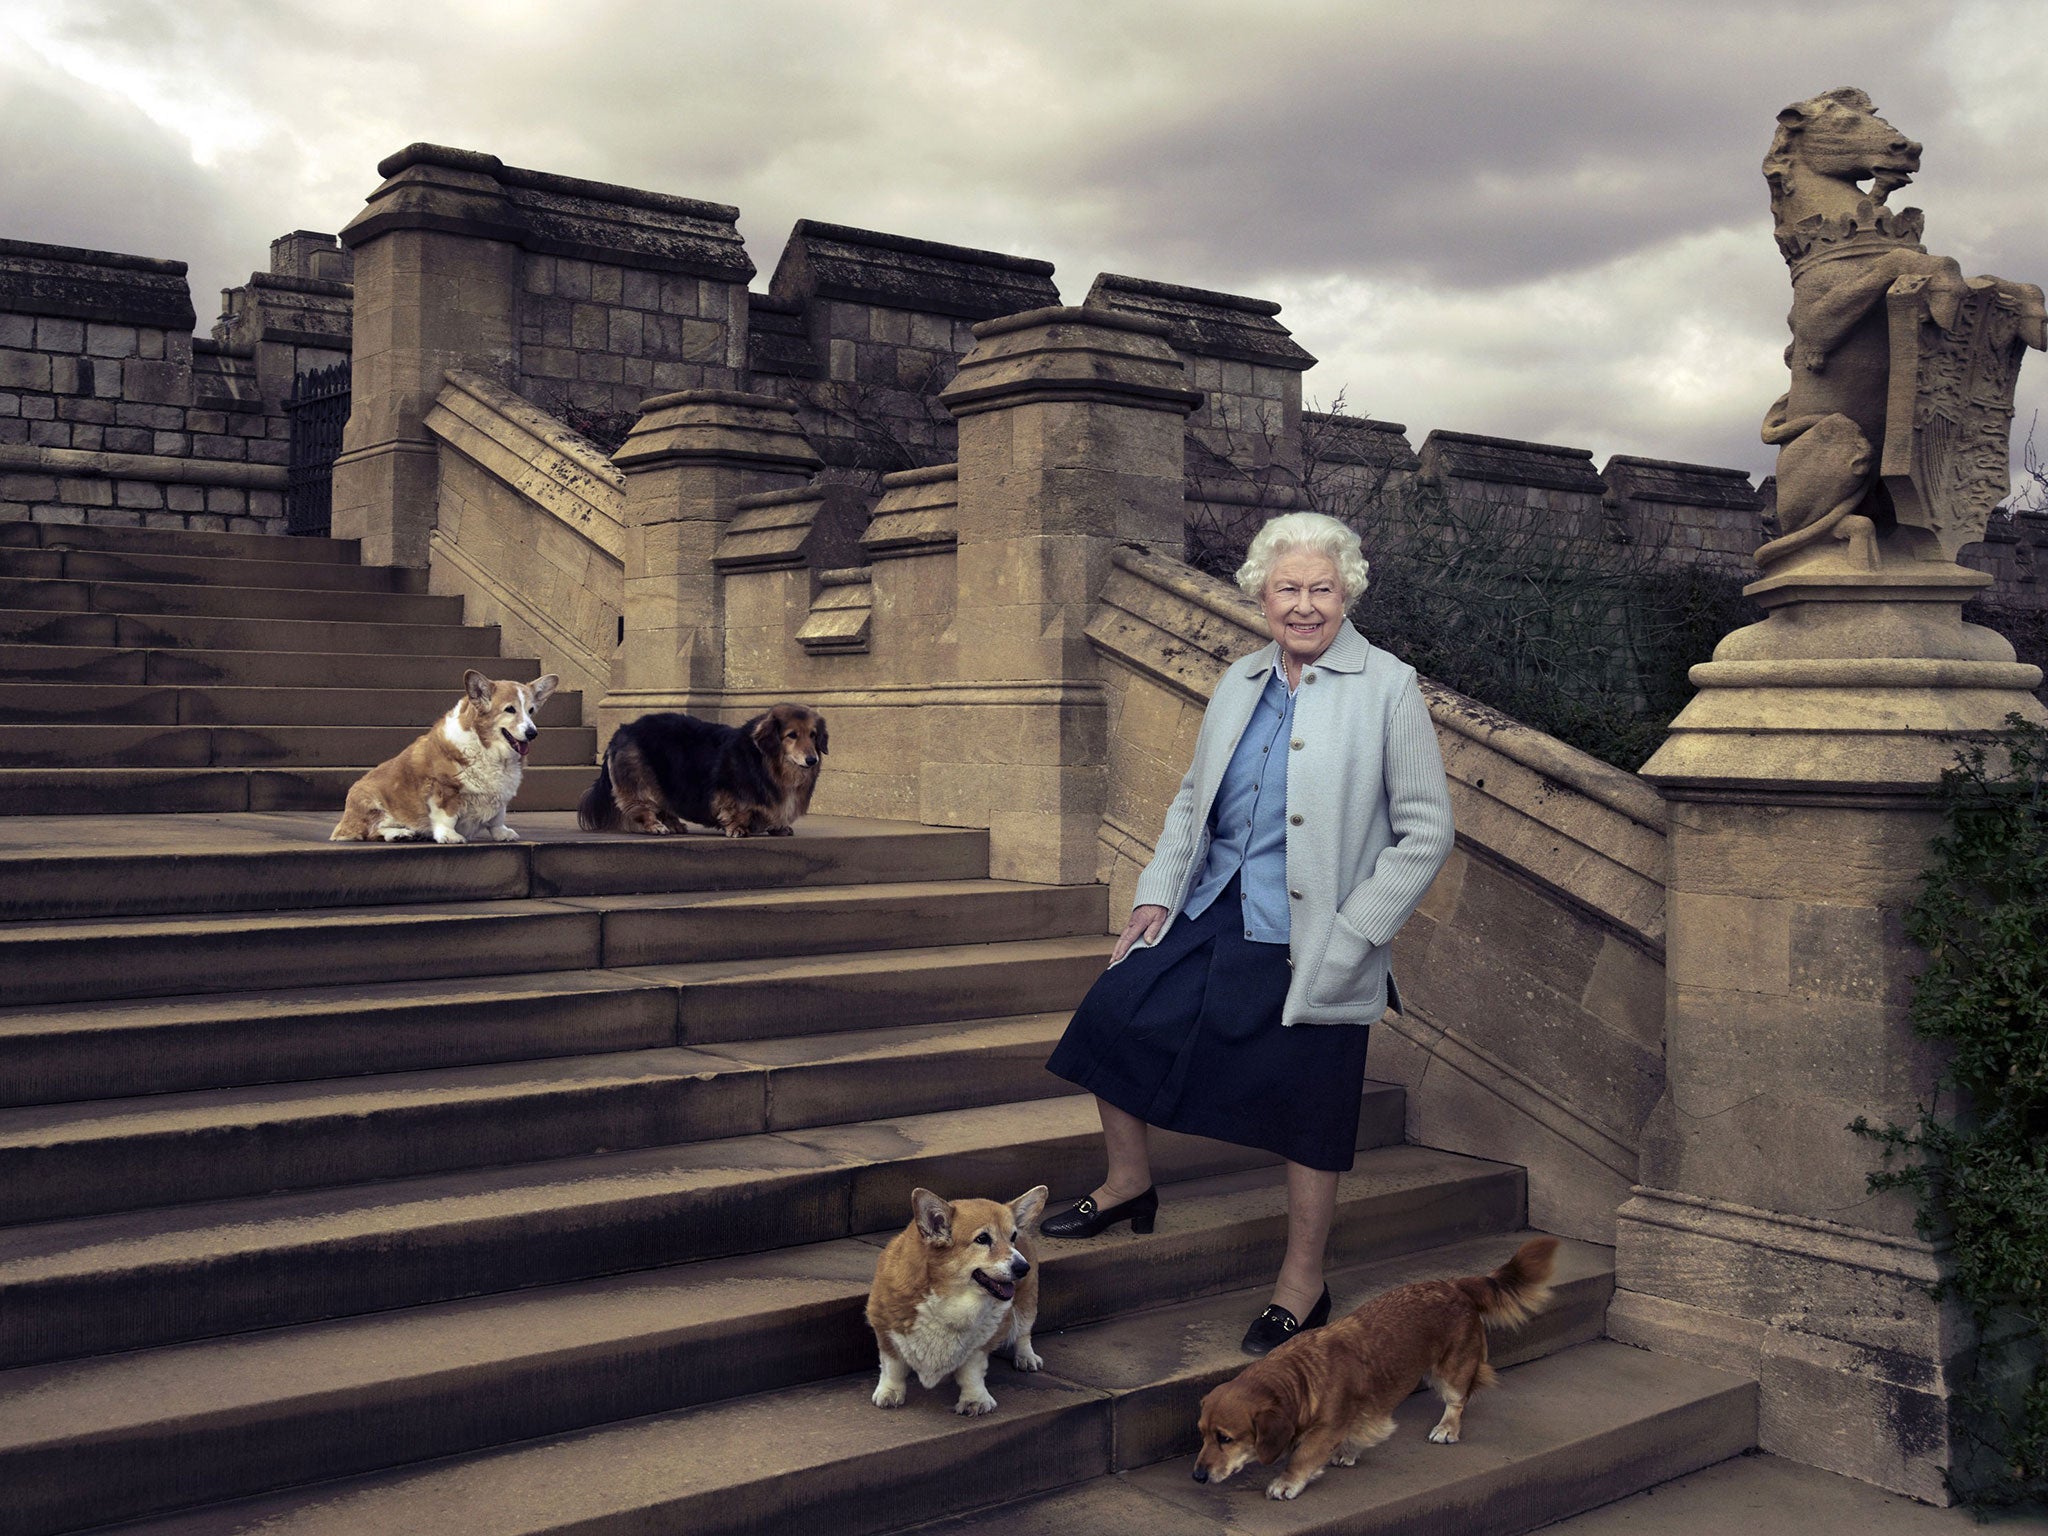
212,422
24,370
18,331
118,517
50,434
38,408
605,284
140,494
184,498
589,327
207,522
71,375
10,405
266,504
130,439
226,498
58,335
80,492
110,340
209,446
16,486
279,453
601,367
98,412
88,439
640,289
176,444
13,429
702,341
539,275
67,515
624,335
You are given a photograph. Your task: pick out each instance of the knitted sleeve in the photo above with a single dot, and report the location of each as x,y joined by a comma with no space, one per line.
1419,808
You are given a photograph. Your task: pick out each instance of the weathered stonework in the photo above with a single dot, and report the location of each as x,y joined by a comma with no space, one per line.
112,412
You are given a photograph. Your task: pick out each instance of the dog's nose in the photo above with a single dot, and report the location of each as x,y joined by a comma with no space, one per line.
1201,1473
811,761
1019,1266
532,731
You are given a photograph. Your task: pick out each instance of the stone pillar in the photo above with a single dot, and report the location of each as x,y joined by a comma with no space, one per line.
1071,425
1800,786
690,457
437,278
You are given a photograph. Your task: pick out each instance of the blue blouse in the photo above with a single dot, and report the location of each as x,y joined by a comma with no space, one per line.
1248,822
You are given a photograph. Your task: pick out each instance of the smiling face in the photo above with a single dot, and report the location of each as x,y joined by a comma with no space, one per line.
1304,604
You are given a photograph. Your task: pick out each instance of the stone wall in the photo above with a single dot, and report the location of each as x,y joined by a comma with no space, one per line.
1532,975
531,531
112,411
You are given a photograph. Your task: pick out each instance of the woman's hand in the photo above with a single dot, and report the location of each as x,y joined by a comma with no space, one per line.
1145,923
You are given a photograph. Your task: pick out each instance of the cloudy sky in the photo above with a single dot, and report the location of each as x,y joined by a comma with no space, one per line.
1532,218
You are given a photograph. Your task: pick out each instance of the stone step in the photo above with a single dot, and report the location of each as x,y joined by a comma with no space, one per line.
252,570
100,959
821,1456
60,1160
251,746
66,703
138,1278
164,791
298,670
103,1050
1563,1434
172,541
115,865
330,1399
208,632
177,599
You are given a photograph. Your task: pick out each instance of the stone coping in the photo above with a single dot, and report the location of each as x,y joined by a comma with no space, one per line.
86,257
556,435
477,161
910,245
285,282
731,397
1509,461
82,463
864,266
1203,322
1666,480
1071,314
930,475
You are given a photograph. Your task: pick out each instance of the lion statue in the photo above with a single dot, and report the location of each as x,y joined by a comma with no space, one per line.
1847,251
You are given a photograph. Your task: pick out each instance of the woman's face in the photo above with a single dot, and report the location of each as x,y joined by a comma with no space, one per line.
1304,603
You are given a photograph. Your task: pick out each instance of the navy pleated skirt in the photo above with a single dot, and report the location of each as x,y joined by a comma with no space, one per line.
1186,1035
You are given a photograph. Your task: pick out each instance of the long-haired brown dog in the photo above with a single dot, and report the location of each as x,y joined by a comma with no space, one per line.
1331,1393
662,770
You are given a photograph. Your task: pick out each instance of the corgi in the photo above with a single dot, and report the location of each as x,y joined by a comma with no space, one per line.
1330,1393
455,781
952,1288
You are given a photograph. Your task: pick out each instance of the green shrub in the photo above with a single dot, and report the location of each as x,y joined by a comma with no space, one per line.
1978,1157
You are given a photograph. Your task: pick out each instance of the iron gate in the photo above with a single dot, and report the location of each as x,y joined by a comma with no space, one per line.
317,410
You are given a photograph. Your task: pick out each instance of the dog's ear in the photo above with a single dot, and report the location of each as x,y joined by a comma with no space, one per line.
477,686
818,735
764,732
1272,1431
542,687
934,1217
1025,1207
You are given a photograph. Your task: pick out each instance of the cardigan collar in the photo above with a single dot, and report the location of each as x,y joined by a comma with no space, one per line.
1346,653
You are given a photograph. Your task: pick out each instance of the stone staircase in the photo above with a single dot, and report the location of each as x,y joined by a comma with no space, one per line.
536,1187
160,670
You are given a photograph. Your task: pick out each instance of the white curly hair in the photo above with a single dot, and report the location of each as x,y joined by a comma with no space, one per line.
1313,531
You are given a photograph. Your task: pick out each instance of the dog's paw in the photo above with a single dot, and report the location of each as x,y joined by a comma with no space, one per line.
1442,1436
1344,1458
735,831
1024,1357
782,832
503,835
448,835
888,1396
974,1403
1286,1487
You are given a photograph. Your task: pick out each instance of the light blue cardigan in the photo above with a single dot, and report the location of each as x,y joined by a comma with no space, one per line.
1368,818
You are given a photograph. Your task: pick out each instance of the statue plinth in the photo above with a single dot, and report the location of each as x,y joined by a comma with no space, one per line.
1855,680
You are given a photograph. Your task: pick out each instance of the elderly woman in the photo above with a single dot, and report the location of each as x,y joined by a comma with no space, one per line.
1239,995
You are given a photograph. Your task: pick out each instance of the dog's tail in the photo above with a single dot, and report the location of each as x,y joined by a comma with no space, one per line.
598,810
1519,1289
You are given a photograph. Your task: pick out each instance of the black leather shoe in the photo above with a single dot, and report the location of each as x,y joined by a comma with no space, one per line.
1276,1325
1083,1219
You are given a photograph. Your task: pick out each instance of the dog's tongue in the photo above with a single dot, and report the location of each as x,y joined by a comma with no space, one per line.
518,745
1002,1290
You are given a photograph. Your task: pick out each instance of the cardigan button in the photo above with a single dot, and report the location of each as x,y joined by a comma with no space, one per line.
1308,677
1295,894
1294,820
1295,744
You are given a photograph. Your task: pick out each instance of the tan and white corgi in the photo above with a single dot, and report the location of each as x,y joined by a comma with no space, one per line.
455,781
951,1288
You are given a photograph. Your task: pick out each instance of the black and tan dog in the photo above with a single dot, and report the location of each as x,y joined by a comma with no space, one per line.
662,770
